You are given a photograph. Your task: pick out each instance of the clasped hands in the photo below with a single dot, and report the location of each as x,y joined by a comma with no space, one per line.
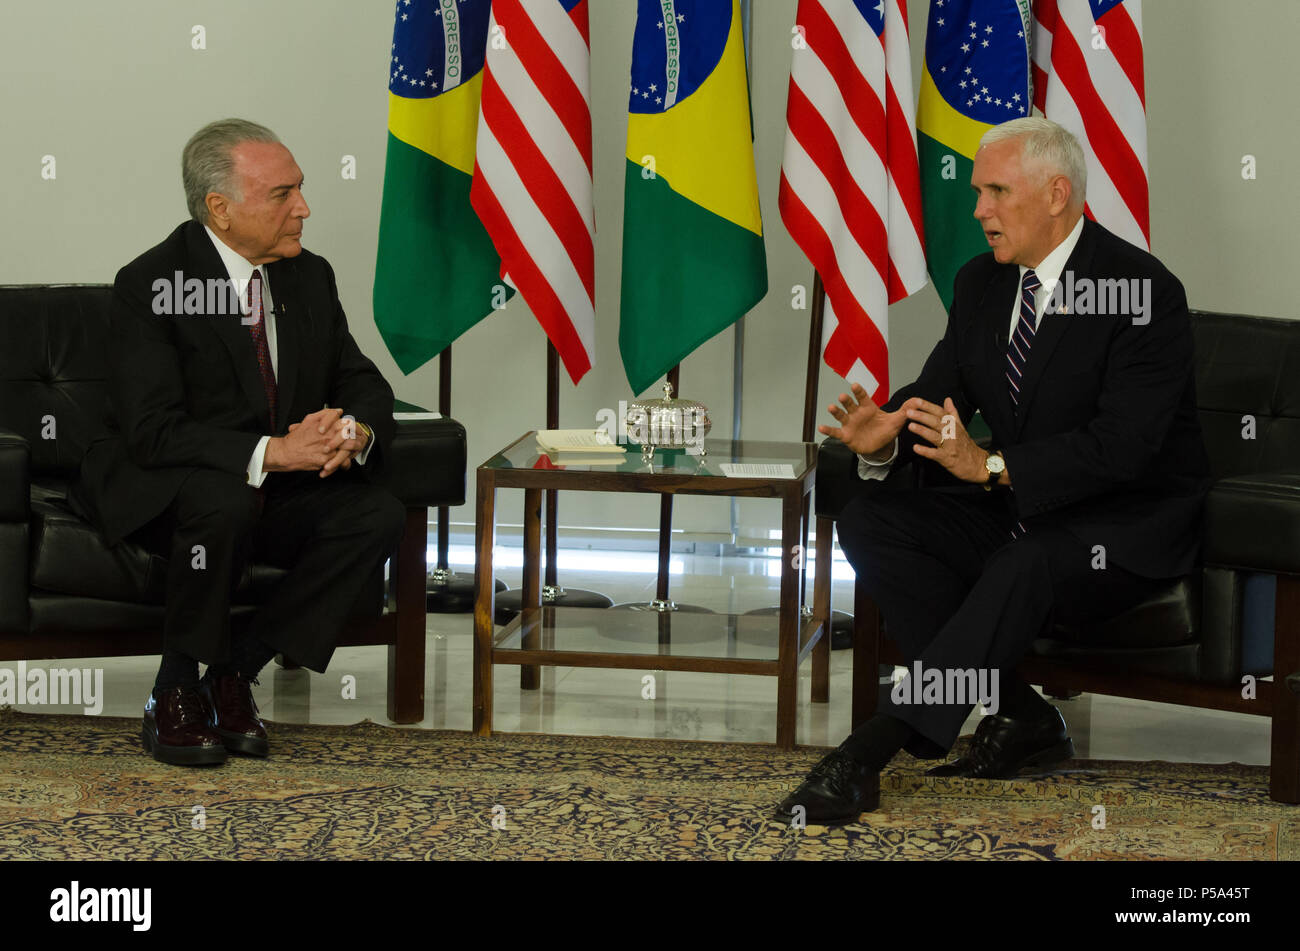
867,430
324,441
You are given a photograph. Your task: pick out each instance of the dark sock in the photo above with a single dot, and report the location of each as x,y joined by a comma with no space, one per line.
1020,701
875,742
248,656
176,670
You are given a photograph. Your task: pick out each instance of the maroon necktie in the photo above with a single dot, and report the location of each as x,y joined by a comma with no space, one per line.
258,329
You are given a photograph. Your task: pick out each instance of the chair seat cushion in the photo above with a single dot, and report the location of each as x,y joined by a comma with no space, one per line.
70,556
1166,619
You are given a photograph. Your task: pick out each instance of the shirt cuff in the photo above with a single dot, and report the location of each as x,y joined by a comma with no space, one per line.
255,476
877,471
360,458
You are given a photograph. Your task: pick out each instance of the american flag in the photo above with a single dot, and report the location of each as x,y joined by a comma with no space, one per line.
1088,77
850,189
532,184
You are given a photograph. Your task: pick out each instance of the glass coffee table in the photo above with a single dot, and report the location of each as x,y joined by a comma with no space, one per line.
651,640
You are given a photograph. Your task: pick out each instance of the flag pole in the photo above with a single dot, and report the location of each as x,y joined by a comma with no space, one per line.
446,592
841,624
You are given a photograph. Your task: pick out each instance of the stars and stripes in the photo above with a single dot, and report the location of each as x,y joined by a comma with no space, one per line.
1088,77
850,188
532,184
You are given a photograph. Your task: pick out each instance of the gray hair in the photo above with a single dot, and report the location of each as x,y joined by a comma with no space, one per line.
208,166
1048,145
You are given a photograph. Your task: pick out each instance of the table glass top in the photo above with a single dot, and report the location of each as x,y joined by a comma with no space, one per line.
722,458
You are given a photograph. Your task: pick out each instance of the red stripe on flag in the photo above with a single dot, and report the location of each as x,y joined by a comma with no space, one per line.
839,355
1040,88
864,335
547,73
1108,143
579,17
542,183
532,283
1123,41
861,218
904,167
863,104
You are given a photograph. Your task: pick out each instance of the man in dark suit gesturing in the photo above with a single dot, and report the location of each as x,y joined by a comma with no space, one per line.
245,422
1076,348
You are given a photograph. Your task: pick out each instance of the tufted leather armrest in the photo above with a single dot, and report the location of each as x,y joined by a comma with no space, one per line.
1252,522
15,477
428,465
15,506
837,478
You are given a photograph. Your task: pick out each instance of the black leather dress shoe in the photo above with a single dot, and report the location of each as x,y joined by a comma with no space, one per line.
837,790
234,713
1002,747
176,729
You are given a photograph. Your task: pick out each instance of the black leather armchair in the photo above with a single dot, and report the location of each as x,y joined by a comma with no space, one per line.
1197,642
65,593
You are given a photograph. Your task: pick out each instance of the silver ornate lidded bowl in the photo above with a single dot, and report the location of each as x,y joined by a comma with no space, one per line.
667,423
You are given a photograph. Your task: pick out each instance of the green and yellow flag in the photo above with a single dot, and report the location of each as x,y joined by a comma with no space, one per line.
437,269
693,258
976,76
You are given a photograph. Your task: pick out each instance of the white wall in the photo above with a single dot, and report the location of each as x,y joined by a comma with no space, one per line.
112,89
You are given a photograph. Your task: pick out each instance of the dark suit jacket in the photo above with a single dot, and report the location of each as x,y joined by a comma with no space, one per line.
1106,442
186,392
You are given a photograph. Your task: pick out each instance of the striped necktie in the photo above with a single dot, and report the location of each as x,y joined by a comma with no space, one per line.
260,345
1022,340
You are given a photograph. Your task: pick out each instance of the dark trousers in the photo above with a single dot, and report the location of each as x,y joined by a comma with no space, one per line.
332,534
957,593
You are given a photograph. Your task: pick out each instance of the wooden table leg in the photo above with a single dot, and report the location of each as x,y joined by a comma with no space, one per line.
530,675
485,596
788,647
821,653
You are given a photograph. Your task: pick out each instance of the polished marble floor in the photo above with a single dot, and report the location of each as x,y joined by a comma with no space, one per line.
695,706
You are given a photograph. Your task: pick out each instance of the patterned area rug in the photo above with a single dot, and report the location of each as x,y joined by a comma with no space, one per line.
81,788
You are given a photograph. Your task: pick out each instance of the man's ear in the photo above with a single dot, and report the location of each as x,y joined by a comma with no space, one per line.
1059,194
218,211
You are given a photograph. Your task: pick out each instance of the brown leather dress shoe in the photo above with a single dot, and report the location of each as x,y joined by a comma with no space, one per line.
177,729
234,713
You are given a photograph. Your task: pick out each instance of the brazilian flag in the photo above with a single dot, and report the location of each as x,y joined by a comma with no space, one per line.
693,258
976,76
437,269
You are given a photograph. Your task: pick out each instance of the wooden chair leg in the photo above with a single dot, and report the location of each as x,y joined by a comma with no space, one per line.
821,652
1284,761
406,657
866,655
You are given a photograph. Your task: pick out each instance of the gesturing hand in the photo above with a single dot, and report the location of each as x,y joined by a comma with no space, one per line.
950,444
864,427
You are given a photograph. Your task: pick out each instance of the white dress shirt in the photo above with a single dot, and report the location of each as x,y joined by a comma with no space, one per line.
1048,273
240,272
